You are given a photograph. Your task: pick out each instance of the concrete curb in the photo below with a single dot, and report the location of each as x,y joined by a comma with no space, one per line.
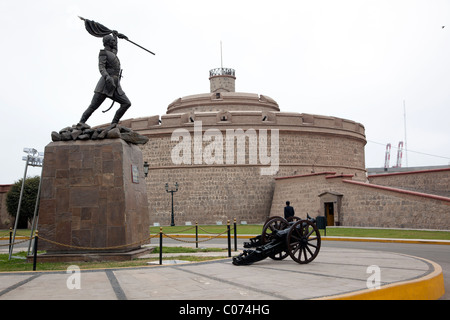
429,287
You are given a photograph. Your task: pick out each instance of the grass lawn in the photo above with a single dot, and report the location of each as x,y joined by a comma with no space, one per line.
19,263
255,229
388,233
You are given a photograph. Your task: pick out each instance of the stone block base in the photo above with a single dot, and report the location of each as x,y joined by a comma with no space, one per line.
93,197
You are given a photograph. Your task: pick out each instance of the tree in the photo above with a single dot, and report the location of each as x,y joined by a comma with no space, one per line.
30,191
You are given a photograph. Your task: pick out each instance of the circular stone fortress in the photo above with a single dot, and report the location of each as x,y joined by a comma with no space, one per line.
225,150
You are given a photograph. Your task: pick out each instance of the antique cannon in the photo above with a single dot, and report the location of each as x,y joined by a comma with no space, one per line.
299,239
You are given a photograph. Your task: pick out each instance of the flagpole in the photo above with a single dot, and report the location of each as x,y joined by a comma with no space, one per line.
140,46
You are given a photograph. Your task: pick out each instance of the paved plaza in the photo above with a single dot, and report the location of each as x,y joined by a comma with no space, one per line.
334,274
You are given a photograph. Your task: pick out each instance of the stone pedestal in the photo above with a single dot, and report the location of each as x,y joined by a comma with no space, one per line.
93,198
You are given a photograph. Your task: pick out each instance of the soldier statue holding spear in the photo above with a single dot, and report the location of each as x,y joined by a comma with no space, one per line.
109,66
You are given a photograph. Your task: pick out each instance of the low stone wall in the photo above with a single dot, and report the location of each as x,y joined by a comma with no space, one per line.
435,181
362,204
371,205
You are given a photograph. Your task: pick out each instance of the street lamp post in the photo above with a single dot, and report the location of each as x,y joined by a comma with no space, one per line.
146,166
34,159
172,222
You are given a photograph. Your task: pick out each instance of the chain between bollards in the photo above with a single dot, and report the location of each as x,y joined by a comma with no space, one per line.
161,235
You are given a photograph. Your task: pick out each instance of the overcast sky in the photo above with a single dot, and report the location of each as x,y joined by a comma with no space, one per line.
359,60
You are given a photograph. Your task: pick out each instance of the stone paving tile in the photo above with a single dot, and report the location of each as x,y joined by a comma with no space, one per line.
8,280
94,285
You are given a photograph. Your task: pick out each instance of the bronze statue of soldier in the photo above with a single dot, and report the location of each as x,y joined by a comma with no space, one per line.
109,84
109,66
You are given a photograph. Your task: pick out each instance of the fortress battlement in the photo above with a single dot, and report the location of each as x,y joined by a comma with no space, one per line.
222,119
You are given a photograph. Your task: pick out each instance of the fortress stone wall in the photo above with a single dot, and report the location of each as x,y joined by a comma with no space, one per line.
225,157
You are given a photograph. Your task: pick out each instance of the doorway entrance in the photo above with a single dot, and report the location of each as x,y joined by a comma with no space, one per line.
329,213
330,207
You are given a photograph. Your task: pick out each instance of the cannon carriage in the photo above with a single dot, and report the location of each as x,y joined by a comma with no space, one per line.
297,238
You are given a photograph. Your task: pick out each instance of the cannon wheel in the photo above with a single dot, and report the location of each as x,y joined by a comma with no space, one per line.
303,241
293,218
272,224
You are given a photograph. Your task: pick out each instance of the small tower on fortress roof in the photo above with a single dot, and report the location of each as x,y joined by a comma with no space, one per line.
222,80
222,97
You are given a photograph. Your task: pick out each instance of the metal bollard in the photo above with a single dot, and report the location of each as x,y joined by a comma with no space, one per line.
35,249
10,239
229,239
196,234
235,235
160,244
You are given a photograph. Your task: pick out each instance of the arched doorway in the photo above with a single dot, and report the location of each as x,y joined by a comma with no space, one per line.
330,205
